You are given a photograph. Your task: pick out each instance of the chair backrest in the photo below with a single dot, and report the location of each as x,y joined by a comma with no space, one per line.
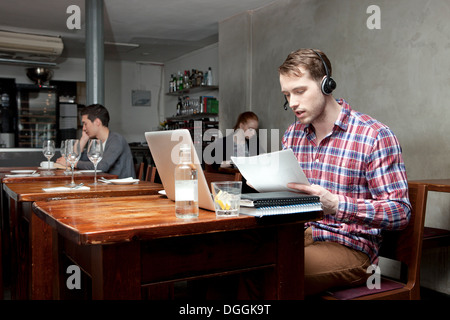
139,168
152,174
406,245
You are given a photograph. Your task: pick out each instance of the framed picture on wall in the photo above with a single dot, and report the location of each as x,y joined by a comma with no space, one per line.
141,98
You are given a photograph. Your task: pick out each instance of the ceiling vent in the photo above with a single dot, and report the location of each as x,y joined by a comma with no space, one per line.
30,46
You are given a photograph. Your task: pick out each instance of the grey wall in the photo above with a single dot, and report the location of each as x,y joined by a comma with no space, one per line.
398,74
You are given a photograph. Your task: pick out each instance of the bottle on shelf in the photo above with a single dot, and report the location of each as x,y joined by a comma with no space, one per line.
209,81
172,84
186,185
186,80
180,82
192,78
179,106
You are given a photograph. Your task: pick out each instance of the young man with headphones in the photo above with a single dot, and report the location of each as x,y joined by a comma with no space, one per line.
353,162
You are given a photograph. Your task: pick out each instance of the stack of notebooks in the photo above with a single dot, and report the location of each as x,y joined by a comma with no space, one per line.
278,203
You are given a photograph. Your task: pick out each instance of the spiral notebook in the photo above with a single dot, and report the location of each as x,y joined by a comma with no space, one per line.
278,203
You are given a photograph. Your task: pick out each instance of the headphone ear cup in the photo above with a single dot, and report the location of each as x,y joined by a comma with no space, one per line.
328,85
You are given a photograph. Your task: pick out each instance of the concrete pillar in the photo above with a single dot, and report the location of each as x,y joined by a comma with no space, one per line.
95,70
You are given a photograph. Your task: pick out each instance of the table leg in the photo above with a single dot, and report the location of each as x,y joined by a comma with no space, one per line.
19,252
116,271
290,265
41,265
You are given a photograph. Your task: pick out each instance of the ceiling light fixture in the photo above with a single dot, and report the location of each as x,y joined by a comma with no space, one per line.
151,62
122,44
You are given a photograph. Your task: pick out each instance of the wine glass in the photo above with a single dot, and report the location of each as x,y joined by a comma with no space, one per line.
73,154
48,149
95,154
63,151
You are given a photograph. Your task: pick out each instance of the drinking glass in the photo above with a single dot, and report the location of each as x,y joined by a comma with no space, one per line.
73,154
227,198
48,149
95,154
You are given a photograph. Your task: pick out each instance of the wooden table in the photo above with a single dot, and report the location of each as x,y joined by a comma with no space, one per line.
28,237
4,221
136,248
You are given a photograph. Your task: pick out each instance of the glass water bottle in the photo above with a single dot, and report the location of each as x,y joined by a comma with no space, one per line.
186,186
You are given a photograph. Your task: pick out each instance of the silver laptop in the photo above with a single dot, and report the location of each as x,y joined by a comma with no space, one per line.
165,148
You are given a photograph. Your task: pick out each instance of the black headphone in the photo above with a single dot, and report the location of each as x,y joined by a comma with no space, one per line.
328,84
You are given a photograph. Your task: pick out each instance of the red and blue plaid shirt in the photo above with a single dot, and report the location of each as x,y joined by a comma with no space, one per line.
361,161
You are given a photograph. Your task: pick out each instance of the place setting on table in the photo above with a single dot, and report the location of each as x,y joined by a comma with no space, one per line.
70,151
45,168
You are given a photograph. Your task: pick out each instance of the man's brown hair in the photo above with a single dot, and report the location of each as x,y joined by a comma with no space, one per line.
307,59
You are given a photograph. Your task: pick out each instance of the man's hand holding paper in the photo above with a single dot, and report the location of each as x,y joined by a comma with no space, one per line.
271,171
330,201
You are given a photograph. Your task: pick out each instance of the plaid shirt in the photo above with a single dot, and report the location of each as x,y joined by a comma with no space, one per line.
361,162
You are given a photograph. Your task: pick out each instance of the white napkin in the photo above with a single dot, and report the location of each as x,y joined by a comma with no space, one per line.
55,189
129,179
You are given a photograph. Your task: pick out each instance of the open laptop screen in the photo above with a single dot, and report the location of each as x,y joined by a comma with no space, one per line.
165,149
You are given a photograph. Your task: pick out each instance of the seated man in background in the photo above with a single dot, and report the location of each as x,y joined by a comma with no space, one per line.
117,158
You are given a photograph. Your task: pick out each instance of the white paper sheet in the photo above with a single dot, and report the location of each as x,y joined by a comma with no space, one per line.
271,171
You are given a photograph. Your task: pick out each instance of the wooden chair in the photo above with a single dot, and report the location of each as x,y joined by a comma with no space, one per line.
139,167
151,174
404,246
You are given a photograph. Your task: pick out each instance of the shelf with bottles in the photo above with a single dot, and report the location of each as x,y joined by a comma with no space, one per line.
195,117
190,82
194,123
198,106
192,90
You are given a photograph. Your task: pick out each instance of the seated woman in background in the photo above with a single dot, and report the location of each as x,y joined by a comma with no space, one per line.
242,142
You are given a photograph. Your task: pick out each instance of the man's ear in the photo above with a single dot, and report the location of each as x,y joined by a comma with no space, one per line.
98,122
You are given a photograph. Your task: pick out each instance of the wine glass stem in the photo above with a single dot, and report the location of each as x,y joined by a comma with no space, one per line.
73,181
48,164
95,173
